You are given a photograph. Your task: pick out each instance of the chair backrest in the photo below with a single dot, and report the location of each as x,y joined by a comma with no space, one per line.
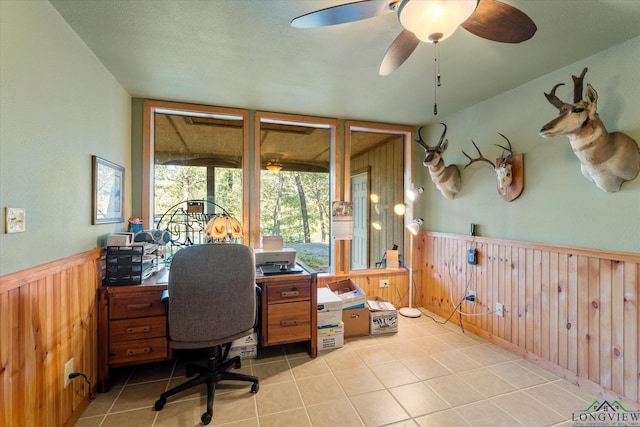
212,295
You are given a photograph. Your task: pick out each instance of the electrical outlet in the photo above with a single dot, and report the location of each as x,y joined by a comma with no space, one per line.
68,370
471,296
384,283
499,309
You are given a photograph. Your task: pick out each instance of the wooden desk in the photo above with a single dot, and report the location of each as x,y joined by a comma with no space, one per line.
289,309
132,320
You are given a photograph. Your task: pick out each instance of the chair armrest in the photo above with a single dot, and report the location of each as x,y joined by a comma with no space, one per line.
165,296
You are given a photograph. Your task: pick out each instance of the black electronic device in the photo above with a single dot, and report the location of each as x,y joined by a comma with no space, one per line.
271,269
472,256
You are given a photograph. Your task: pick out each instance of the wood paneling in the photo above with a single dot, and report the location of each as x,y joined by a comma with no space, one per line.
47,316
368,280
573,311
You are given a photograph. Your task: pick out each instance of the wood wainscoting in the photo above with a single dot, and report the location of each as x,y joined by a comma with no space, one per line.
368,280
572,311
47,316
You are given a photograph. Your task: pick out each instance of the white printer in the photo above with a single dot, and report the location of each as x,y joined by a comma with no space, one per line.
276,261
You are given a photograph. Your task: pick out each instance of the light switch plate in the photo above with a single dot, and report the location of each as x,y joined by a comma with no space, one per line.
15,220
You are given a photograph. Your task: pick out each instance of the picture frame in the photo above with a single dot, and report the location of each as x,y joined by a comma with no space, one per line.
108,191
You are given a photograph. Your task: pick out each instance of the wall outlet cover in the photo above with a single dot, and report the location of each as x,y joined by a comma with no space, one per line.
68,370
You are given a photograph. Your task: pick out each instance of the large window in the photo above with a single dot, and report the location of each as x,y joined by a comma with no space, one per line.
377,162
195,153
282,178
296,184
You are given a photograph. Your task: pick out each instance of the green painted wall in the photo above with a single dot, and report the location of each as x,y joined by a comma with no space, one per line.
558,205
59,106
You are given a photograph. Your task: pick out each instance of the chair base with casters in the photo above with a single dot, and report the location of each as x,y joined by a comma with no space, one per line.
210,375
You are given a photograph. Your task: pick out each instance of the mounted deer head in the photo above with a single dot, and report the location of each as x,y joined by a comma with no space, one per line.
607,159
502,167
446,178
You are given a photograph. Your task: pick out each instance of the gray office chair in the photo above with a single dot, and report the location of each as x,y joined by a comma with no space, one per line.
211,302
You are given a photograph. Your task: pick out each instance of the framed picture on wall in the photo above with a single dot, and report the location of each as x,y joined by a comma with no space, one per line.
108,191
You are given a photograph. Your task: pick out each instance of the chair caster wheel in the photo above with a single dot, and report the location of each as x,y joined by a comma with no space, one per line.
206,418
255,387
159,405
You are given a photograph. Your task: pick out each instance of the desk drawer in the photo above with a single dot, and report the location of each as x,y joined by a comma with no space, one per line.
289,322
127,307
138,351
138,328
288,292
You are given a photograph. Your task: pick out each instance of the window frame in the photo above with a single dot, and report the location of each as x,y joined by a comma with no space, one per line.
408,175
335,171
150,107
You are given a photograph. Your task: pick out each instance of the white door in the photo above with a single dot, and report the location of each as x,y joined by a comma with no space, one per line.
360,242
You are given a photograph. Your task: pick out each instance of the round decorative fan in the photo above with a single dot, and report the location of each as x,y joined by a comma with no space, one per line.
430,21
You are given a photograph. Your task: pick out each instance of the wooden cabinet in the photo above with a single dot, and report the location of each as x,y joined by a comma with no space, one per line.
289,309
132,327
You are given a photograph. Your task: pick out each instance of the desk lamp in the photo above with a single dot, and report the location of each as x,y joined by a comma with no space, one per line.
223,228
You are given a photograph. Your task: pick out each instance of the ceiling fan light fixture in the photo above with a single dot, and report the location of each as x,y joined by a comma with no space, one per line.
434,20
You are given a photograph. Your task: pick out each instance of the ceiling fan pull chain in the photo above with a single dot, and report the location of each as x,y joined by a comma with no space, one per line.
436,81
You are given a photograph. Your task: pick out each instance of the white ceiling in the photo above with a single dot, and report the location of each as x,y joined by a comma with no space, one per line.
244,53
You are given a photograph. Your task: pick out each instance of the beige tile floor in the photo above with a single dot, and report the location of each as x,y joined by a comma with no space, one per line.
425,375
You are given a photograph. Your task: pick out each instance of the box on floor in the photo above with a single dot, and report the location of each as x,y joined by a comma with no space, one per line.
356,322
329,308
331,337
349,292
245,347
383,316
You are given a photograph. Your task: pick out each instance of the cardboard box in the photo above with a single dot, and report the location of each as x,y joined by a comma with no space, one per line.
356,322
245,347
329,308
383,316
331,337
248,352
350,294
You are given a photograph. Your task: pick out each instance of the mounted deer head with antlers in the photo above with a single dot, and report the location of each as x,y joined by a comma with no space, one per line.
446,178
504,169
607,159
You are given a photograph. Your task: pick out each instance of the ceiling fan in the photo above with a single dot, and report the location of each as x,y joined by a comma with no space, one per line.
430,21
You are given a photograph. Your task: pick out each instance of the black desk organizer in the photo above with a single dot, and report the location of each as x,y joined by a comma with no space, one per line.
123,265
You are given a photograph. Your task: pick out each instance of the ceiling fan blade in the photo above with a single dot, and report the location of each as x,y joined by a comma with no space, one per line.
401,49
344,13
500,22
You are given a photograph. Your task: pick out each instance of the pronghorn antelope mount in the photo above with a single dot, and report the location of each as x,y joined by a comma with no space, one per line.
607,159
508,168
446,178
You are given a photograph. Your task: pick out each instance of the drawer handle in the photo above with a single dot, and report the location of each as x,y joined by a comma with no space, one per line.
133,352
292,322
143,306
138,329
289,294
